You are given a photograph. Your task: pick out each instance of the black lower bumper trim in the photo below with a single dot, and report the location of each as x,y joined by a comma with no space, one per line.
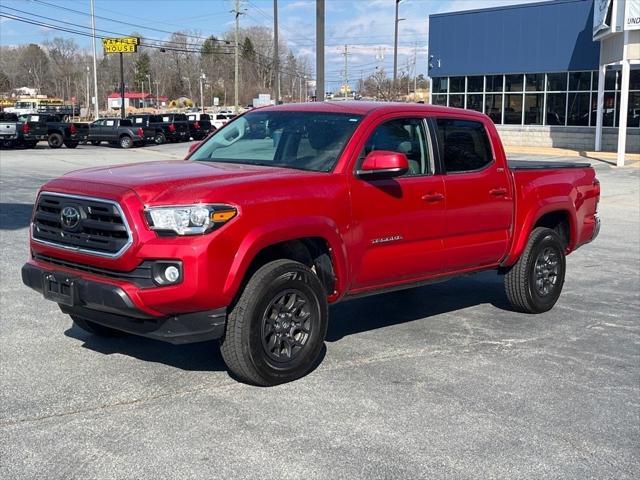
109,305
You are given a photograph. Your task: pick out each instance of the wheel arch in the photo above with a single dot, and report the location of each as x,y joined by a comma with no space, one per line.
313,243
557,214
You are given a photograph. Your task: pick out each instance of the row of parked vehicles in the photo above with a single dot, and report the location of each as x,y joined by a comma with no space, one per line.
135,130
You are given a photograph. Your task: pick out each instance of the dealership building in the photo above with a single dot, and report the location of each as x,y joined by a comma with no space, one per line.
556,73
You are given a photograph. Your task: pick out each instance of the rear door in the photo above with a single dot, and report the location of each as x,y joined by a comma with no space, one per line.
479,200
397,222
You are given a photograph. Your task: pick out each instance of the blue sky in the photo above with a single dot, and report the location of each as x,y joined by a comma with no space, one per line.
365,25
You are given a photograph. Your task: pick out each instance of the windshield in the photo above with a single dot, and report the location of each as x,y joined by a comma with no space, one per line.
302,140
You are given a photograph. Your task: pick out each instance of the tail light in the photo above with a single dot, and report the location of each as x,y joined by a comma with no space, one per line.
596,191
197,125
140,132
172,128
72,129
25,128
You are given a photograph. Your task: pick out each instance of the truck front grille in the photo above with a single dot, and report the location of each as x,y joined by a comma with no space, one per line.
85,224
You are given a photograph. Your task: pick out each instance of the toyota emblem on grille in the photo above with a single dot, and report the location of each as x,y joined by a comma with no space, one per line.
70,217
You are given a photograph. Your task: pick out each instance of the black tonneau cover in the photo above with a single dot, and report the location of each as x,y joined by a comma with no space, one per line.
540,165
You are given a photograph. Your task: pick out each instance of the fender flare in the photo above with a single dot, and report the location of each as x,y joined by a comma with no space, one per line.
289,229
545,206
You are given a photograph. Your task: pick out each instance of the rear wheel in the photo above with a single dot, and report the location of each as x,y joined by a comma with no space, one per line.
159,139
534,283
71,144
126,142
30,144
95,328
276,330
54,140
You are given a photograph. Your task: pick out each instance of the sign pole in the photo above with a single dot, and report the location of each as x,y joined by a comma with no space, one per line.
121,86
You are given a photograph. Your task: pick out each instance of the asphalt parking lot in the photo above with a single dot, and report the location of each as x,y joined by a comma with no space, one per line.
437,382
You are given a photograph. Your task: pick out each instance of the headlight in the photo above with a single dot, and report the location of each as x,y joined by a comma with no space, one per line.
189,219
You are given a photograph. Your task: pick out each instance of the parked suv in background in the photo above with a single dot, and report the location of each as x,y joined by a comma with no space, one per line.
291,208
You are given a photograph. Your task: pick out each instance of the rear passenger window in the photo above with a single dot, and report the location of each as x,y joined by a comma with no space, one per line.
464,145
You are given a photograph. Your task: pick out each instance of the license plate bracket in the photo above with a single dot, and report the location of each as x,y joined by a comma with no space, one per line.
59,288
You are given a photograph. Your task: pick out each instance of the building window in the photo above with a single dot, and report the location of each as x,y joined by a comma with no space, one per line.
580,81
439,100
494,83
475,84
456,85
493,107
513,109
440,85
513,83
557,82
456,101
533,107
474,102
559,99
535,82
578,109
556,108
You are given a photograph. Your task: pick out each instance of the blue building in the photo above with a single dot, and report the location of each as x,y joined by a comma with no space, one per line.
535,70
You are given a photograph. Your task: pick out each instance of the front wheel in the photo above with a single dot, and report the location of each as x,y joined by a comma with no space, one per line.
55,140
534,283
276,330
71,144
126,142
159,139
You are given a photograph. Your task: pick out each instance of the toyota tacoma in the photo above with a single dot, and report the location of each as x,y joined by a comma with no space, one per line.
288,209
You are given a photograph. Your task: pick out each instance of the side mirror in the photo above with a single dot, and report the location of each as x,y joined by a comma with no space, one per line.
383,164
193,147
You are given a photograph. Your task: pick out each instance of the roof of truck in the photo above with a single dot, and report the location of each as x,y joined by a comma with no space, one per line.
366,107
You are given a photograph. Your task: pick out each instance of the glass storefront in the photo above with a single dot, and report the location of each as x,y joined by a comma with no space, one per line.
560,98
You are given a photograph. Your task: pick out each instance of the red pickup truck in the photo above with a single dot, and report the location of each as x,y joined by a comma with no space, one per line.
287,209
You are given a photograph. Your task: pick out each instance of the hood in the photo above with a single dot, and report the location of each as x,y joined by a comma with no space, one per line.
168,181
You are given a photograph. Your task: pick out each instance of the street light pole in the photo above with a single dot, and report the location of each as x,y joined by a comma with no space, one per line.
236,66
276,56
95,63
202,77
319,50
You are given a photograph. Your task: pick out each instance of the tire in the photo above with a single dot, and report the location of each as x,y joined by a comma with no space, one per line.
95,143
30,144
54,140
272,338
8,143
126,141
159,139
534,283
71,144
95,328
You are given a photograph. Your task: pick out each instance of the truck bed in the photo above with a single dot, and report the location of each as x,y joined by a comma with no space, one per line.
541,165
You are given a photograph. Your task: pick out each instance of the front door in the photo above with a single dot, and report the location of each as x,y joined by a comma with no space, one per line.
397,222
479,200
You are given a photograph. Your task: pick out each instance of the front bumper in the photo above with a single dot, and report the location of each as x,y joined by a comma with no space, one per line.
109,305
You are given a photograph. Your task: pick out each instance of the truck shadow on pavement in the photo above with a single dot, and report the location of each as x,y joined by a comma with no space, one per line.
346,319
14,216
404,306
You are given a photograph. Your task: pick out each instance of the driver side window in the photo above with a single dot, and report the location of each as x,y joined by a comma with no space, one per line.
403,135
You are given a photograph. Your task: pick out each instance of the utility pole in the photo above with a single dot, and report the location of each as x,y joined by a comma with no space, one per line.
95,63
276,56
395,49
202,77
320,51
157,93
346,69
88,92
236,73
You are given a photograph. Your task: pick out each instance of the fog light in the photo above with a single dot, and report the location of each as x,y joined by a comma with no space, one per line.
172,274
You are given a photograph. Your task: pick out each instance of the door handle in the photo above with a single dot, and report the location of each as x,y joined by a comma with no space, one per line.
498,192
433,197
